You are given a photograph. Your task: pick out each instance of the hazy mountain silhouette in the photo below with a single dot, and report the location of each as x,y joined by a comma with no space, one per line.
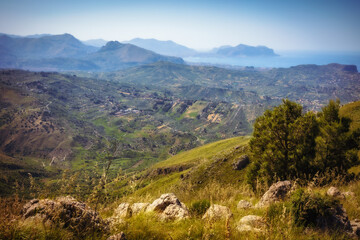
169,48
243,50
64,45
95,42
65,52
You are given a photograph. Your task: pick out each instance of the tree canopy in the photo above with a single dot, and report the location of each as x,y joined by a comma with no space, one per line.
289,144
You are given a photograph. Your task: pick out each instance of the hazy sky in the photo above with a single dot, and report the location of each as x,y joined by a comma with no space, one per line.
279,24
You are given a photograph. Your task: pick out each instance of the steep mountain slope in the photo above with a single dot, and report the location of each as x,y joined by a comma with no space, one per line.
168,48
64,45
115,55
66,53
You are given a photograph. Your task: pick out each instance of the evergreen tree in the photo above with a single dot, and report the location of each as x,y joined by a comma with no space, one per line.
283,143
288,144
334,148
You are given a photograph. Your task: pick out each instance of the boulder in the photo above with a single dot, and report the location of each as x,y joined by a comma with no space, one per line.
123,211
349,194
65,212
161,203
251,223
277,192
217,212
355,225
174,212
335,192
335,218
241,162
139,207
169,207
119,236
243,204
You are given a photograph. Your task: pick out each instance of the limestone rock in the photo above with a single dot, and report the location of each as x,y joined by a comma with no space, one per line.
217,212
243,204
175,212
65,212
241,162
335,192
252,223
169,207
355,225
139,207
119,236
349,194
276,192
123,211
161,203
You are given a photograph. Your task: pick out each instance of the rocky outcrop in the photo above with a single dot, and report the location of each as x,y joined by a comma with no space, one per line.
169,207
174,212
119,236
217,212
335,218
243,204
355,225
161,203
65,212
335,192
139,207
277,192
251,223
349,194
123,211
241,162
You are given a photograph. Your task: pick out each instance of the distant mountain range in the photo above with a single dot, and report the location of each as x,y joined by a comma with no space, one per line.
115,54
65,52
169,48
45,52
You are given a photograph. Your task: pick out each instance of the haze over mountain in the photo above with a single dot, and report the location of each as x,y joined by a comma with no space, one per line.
96,42
169,48
115,54
243,50
65,52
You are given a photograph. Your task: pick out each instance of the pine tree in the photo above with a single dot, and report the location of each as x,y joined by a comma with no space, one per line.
283,143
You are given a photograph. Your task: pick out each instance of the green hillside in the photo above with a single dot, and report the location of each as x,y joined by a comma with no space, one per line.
198,168
352,111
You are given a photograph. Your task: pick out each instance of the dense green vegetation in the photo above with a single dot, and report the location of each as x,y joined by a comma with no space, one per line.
289,144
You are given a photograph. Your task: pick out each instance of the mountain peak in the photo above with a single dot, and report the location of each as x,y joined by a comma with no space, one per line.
111,45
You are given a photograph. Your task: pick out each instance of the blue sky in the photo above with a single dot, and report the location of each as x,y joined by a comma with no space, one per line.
321,25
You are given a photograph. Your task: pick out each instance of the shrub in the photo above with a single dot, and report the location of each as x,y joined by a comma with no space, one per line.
310,210
199,208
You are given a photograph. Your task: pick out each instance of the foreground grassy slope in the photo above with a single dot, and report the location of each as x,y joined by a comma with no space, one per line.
189,174
352,111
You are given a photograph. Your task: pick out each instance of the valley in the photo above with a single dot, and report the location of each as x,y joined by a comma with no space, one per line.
119,126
